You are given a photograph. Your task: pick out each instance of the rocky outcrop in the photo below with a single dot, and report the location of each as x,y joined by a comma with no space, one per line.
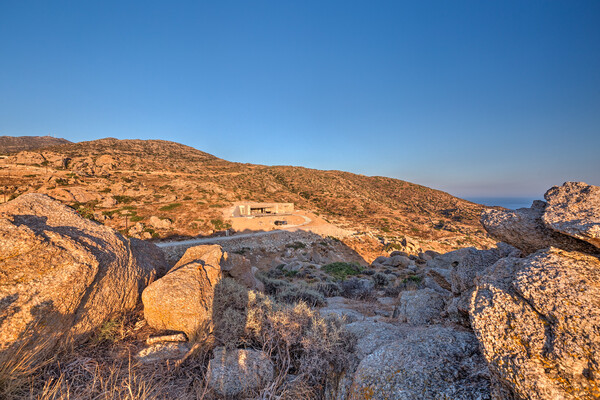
182,299
239,268
537,318
538,322
430,363
530,230
235,372
62,276
574,209
420,307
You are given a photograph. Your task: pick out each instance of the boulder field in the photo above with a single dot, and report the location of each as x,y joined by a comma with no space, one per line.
518,321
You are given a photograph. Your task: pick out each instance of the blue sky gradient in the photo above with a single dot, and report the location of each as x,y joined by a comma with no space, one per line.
477,98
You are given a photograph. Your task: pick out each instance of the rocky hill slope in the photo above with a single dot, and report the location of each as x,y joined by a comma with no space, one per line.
13,144
108,178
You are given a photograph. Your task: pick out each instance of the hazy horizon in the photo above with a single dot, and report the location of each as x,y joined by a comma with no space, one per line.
475,99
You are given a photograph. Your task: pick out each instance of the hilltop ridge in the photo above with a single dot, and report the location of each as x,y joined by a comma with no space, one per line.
13,144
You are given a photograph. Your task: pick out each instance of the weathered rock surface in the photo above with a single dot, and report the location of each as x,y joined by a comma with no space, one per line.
524,228
238,371
574,209
182,299
538,322
159,352
420,307
240,269
159,223
430,363
62,276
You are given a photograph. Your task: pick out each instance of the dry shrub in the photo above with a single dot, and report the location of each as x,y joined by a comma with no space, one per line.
356,288
302,344
300,292
327,288
290,293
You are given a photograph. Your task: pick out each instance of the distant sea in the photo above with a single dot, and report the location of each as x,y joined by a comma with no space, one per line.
507,202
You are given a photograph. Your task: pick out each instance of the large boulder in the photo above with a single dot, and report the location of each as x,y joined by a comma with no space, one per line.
428,363
538,322
420,307
472,261
233,372
525,229
182,300
63,276
574,209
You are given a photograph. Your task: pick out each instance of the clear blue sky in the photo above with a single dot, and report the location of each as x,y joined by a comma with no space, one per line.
478,98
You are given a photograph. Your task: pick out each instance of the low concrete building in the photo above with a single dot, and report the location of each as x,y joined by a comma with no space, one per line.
262,209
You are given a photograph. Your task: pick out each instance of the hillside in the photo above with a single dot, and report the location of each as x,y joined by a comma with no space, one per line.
13,144
108,178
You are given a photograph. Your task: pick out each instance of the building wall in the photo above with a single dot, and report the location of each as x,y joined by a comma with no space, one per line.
243,210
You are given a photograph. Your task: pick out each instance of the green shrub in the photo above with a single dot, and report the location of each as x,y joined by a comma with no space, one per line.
123,199
342,270
170,207
219,224
295,245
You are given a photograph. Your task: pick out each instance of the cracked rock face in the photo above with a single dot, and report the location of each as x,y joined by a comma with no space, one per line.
538,322
428,363
62,276
182,299
574,209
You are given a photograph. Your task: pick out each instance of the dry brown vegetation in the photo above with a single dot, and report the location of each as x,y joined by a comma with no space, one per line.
308,352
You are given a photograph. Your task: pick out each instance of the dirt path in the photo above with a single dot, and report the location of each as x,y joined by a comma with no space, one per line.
218,239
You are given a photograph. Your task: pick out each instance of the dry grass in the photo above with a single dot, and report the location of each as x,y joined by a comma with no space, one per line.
309,353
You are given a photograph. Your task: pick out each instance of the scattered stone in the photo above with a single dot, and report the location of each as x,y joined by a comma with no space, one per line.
159,352
177,337
159,223
234,372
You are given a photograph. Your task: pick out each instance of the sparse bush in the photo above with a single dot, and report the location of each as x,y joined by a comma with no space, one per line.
380,279
341,270
290,293
301,343
219,224
327,288
300,293
272,286
355,288
412,282
296,245
124,199
392,291
170,207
